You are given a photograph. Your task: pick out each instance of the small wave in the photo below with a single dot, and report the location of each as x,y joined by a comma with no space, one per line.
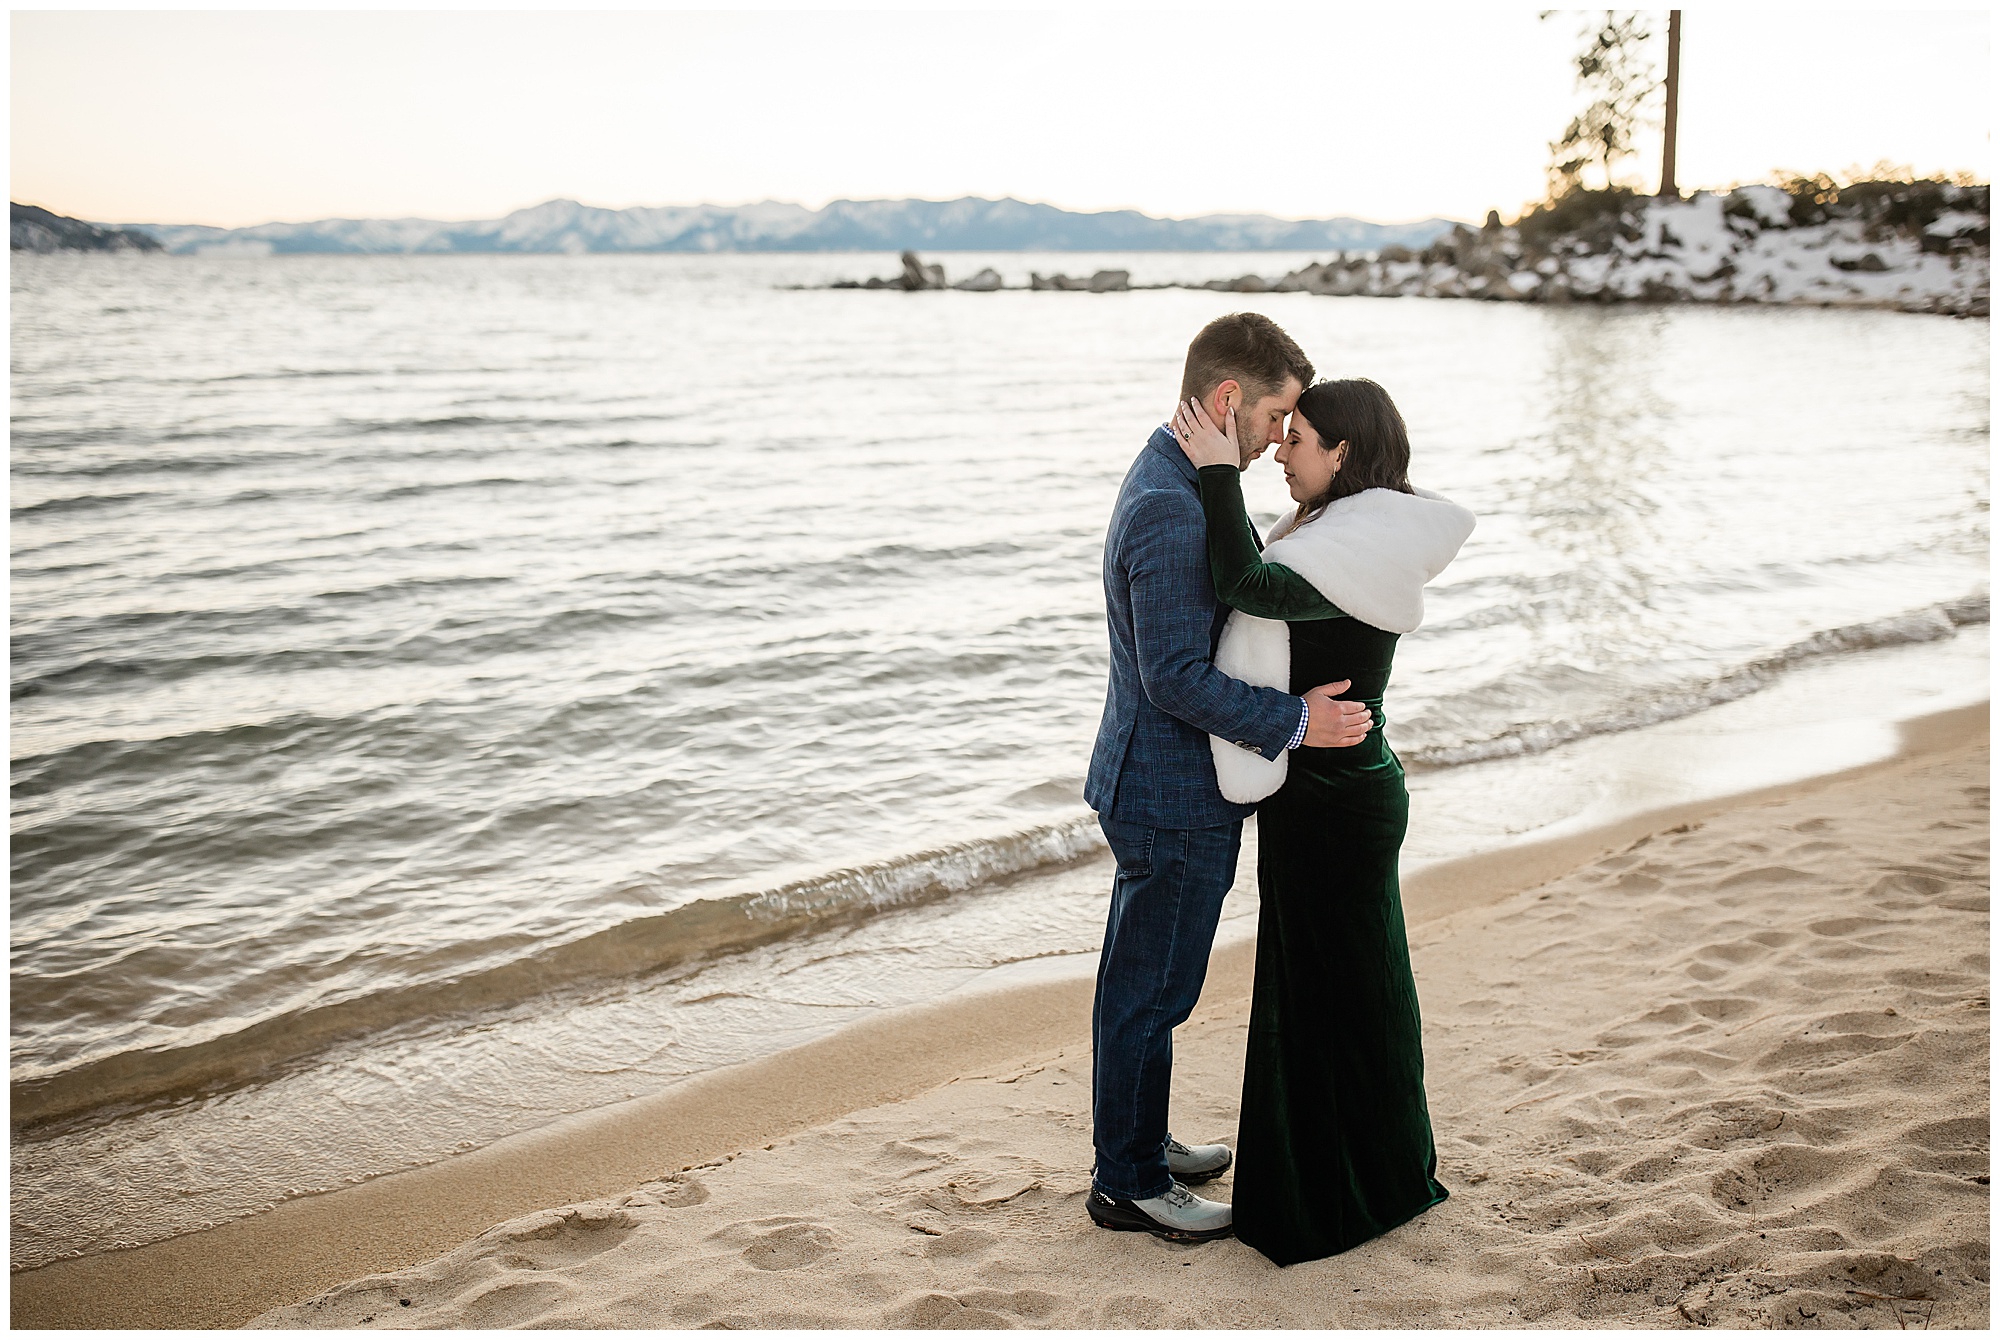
445,423
118,467
451,485
927,874
78,502
697,930
429,425
290,375
1671,702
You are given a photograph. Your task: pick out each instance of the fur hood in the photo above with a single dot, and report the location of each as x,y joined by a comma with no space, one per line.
1371,553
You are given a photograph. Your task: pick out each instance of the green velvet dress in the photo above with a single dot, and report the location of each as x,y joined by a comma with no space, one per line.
1334,1144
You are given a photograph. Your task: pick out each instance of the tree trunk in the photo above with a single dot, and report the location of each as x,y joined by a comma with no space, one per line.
1668,187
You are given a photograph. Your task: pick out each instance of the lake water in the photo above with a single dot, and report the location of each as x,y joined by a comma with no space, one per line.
404,644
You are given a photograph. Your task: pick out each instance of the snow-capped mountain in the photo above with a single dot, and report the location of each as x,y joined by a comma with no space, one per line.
970,224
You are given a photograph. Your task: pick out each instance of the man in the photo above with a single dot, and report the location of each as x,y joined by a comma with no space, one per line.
1152,780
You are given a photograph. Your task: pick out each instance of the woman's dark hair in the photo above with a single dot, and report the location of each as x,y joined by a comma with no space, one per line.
1358,412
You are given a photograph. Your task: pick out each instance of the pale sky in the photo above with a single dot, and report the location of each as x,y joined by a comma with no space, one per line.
1388,114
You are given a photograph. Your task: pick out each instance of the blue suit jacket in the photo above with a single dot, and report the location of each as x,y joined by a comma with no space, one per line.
1152,763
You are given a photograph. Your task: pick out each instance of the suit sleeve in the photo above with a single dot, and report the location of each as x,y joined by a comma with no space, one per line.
1166,565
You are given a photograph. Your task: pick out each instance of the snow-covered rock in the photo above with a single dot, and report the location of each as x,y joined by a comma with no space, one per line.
1921,249
1768,205
1910,246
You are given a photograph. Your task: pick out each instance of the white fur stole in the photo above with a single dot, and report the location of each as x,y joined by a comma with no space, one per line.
1370,553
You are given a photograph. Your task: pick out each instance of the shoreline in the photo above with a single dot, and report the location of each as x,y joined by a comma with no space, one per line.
691,933
370,1109
618,953
1899,246
306,1245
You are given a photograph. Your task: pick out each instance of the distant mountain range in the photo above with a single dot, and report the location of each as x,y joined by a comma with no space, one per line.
36,229
971,224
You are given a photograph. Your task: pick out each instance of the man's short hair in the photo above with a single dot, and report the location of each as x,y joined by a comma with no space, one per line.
1247,348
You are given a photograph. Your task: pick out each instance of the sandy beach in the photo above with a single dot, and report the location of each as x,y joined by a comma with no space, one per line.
1721,1065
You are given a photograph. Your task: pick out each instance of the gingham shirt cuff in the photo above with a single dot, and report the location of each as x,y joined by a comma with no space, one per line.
1305,720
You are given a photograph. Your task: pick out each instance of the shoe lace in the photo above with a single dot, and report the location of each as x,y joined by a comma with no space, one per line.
1179,1197
1176,1147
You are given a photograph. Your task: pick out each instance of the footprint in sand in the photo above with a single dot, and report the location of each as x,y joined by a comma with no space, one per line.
1722,1009
984,1191
1825,1044
554,1239
1916,884
906,1159
675,1193
976,1309
509,1303
790,1247
1953,1133
1844,925
1762,875
1644,1171
960,1242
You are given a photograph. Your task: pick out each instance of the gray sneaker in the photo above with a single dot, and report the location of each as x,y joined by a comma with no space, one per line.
1178,1216
1195,1164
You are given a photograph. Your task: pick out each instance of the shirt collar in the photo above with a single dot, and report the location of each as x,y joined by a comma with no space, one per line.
1164,442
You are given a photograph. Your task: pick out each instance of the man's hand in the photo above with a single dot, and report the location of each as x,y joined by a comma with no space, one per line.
1333,723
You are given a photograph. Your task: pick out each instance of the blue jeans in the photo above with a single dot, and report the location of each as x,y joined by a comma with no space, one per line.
1165,904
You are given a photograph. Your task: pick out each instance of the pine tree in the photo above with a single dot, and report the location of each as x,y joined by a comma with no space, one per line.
1615,68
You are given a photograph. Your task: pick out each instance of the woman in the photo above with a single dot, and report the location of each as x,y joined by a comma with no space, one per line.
1334,1144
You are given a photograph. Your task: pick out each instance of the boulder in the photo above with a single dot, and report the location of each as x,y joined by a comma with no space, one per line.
917,275
986,281
1111,281
1307,279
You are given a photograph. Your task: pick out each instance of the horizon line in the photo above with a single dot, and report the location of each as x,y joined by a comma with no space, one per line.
767,200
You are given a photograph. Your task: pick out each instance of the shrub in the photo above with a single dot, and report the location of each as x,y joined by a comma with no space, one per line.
1886,199
1592,216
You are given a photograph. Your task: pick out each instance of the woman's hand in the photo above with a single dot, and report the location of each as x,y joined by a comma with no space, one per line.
1204,442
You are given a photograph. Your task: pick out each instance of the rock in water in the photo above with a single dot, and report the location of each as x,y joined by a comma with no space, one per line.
986,281
1104,281
917,275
